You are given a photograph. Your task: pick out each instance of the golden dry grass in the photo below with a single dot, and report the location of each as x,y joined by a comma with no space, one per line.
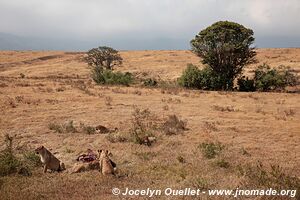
57,88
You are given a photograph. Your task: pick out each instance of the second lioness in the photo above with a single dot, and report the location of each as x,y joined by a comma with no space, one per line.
107,166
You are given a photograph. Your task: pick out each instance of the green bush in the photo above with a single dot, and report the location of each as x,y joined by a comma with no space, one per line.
191,77
246,84
11,164
267,78
8,162
104,76
205,79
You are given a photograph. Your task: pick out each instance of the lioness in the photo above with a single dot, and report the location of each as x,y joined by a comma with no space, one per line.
49,160
106,164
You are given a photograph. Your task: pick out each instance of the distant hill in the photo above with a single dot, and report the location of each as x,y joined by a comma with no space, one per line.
14,42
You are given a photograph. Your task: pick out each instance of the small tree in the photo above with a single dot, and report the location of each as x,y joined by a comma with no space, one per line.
226,48
103,58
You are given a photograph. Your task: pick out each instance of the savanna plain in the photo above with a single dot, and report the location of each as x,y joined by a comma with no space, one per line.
230,139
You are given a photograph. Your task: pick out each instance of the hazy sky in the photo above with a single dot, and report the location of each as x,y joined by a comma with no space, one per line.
147,24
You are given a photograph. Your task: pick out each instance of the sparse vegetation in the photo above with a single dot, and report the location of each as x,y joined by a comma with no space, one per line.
145,156
142,126
56,127
201,183
245,152
137,92
60,89
259,176
211,150
82,86
180,159
22,75
210,126
284,114
150,82
224,108
87,129
173,125
67,127
117,137
108,100
250,123
222,163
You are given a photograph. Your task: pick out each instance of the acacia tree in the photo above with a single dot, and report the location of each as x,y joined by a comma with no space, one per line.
226,47
103,57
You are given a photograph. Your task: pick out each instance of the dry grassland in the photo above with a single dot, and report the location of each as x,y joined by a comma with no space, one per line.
57,89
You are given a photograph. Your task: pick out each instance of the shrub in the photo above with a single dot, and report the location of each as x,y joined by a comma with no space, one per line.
211,150
267,78
56,127
173,125
8,161
141,126
109,77
68,127
87,129
222,163
290,78
193,77
246,84
32,159
150,82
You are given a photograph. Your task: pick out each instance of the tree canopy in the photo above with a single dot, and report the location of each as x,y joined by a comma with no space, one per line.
226,47
103,57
